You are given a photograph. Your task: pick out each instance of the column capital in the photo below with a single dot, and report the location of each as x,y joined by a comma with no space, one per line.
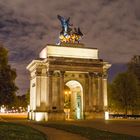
38,73
62,73
49,73
100,74
91,74
97,74
105,75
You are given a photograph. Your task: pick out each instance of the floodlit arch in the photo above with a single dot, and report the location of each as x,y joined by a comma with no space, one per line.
76,99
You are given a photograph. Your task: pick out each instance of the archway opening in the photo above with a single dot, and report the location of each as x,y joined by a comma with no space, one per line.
73,100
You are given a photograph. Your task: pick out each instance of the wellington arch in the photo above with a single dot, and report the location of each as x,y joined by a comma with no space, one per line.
68,81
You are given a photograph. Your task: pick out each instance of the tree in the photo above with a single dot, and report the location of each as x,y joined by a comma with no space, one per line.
134,66
112,105
125,91
22,100
7,79
27,97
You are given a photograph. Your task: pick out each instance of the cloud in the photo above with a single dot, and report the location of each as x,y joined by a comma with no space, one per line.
109,25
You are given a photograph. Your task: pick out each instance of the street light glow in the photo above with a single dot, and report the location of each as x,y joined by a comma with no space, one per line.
106,115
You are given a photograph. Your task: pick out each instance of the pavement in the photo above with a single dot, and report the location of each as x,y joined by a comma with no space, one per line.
122,126
52,133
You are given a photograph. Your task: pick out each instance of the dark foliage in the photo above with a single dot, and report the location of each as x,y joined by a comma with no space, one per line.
7,79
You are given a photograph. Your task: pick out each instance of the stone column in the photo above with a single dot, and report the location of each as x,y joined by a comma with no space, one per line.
31,94
49,89
43,90
104,81
55,91
61,91
38,88
86,95
100,94
94,88
90,91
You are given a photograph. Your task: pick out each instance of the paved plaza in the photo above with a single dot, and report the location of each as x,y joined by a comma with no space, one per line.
124,126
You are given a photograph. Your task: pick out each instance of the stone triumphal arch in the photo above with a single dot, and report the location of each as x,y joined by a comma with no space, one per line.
68,81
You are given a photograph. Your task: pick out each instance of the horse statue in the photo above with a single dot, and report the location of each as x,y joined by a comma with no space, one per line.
78,34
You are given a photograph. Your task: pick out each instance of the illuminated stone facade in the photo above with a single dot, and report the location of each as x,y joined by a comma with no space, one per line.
68,81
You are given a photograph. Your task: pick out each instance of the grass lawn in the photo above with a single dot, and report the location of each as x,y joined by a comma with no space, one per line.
10,131
91,133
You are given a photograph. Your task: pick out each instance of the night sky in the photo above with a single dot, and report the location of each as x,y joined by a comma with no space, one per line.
112,26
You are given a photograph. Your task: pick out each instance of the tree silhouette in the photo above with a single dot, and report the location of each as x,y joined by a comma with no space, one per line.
7,79
125,91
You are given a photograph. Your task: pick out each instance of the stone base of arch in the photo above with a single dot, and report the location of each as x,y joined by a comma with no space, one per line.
56,116
60,116
46,116
93,115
